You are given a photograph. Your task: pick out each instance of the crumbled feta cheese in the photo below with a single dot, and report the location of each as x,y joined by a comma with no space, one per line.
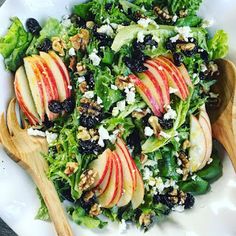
173,90
115,111
156,38
147,173
203,68
151,182
114,25
121,105
194,177
179,171
99,100
144,22
51,137
130,97
148,131
170,114
89,94
103,135
175,17
95,58
106,29
164,134
70,87
122,227
35,132
114,87
179,162
210,161
66,23
72,52
81,79
150,163
170,183
149,110
178,208
184,32
140,37
175,38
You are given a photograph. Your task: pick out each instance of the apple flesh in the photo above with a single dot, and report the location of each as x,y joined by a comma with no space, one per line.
198,149
24,97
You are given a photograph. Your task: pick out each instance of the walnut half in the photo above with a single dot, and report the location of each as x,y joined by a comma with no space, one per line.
87,179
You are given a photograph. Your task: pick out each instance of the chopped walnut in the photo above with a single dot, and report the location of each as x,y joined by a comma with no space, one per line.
186,144
58,45
139,114
163,14
88,196
71,168
83,87
183,13
185,164
81,69
83,133
80,40
213,69
177,197
145,219
153,121
87,179
186,46
94,134
122,82
95,210
90,24
89,107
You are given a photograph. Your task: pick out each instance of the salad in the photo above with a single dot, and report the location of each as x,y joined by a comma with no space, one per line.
120,90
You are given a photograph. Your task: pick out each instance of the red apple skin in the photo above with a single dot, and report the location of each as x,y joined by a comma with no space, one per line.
120,182
146,94
174,80
24,97
63,70
162,80
150,81
36,87
110,193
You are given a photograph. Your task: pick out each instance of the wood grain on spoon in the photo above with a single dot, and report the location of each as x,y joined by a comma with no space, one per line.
223,118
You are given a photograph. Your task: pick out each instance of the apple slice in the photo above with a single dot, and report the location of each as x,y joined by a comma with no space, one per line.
110,193
128,183
120,182
101,166
161,78
24,97
146,94
36,86
175,79
198,149
61,77
138,195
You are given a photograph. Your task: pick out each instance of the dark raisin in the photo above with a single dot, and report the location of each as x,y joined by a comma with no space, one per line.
134,142
89,147
78,21
55,106
148,40
204,55
68,105
108,6
90,80
189,202
202,75
165,124
88,121
138,45
190,53
104,40
178,58
64,190
170,46
45,46
47,123
33,26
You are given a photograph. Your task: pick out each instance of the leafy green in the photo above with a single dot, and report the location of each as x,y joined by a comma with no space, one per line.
218,45
14,44
42,213
83,10
80,217
191,21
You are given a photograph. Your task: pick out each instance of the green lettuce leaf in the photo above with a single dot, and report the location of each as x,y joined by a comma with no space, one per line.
218,45
42,213
14,44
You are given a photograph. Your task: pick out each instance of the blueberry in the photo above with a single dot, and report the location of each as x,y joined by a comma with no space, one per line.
55,106
33,26
68,105
178,58
189,202
45,46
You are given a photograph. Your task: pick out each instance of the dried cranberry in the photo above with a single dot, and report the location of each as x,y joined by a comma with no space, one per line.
189,202
33,26
68,105
170,46
45,46
89,147
178,58
55,106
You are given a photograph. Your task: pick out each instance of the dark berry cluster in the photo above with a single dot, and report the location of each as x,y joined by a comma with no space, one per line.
45,45
89,147
104,39
89,78
165,124
33,26
68,105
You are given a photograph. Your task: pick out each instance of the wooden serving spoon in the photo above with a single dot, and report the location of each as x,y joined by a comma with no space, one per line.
26,151
223,118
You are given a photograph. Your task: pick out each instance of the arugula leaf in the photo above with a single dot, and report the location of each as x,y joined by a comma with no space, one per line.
218,45
14,44
83,10
42,213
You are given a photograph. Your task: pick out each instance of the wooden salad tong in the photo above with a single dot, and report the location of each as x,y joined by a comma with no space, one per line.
223,118
26,151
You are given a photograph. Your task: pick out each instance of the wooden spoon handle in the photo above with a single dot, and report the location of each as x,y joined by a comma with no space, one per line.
51,199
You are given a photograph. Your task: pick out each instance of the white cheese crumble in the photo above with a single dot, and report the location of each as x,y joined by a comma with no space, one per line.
89,94
69,87
114,87
175,38
178,208
106,29
122,226
175,17
140,37
179,171
147,173
210,161
184,32
170,114
35,132
81,79
99,100
72,52
103,135
130,97
173,90
148,131
150,163
115,111
164,134
214,95
121,105
144,22
95,58
51,137
156,38
194,177
203,68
